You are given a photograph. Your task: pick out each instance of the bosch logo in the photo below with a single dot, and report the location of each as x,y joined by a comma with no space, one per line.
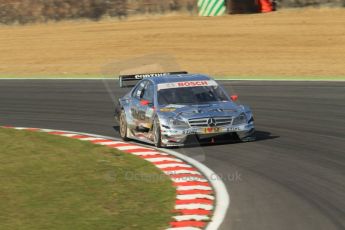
192,83
211,122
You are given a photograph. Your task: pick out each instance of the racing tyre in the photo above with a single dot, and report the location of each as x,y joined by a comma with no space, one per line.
123,126
157,138
249,137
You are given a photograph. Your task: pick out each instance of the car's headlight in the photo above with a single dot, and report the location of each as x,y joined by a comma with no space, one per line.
177,123
242,118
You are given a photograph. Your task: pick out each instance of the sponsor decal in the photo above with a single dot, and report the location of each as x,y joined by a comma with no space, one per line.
192,83
186,84
211,130
189,131
169,132
175,106
167,109
149,112
138,114
233,129
142,76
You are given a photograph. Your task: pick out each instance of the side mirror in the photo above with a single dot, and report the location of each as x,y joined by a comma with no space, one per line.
144,102
234,97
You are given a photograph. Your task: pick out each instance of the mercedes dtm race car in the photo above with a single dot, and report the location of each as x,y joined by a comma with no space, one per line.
166,109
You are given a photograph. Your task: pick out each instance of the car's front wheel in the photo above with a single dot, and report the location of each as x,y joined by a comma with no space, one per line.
123,126
156,129
246,137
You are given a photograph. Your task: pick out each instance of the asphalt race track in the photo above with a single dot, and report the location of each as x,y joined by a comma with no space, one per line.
293,177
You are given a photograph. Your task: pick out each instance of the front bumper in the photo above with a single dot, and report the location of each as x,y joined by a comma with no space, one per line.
180,137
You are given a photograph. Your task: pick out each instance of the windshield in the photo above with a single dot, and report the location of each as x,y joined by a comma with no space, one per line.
191,95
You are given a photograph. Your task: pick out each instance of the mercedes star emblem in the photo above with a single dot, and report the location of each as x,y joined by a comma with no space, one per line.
211,122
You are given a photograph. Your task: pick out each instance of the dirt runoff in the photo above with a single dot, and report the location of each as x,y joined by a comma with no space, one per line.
302,42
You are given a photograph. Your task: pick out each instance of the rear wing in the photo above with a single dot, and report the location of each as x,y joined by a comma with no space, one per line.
131,80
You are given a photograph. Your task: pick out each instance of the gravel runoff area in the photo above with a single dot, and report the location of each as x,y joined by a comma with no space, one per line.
298,43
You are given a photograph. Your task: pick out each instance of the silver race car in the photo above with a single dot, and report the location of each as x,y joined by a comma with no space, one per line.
170,109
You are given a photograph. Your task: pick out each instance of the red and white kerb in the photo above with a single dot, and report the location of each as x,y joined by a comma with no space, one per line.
184,84
194,195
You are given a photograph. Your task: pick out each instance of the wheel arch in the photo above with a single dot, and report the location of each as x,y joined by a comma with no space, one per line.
121,107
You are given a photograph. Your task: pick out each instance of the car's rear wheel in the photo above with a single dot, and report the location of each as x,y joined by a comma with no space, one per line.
123,126
157,137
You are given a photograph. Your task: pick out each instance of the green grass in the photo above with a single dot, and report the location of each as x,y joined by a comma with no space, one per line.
53,182
258,78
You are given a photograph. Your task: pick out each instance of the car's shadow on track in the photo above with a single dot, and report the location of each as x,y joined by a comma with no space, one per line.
264,135
194,142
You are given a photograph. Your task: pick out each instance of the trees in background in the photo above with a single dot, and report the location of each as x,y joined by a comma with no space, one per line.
18,11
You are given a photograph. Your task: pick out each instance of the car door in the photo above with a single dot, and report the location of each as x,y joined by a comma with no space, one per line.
142,106
147,105
135,103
